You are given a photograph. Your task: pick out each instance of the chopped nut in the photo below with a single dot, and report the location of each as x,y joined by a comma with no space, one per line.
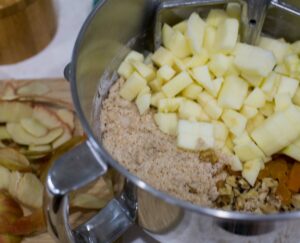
296,201
244,184
231,180
209,155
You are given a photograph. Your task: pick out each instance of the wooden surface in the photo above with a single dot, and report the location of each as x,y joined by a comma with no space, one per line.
26,27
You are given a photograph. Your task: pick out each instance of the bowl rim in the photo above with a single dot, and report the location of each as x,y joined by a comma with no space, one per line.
211,212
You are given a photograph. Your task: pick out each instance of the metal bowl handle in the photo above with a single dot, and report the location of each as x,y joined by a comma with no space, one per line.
70,172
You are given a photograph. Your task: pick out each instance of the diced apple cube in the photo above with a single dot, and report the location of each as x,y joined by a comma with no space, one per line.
279,48
145,71
253,80
202,76
296,98
165,72
268,109
210,38
254,60
167,122
236,164
291,62
132,87
156,84
234,10
296,47
177,84
197,60
233,85
190,110
216,17
179,45
282,101
293,150
162,57
227,35
248,151
155,98
134,56
249,111
179,65
167,33
169,104
235,122
148,59
256,98
251,170
210,105
195,32
220,131
218,84
288,85
143,103
219,64
228,143
125,70
195,136
281,69
232,70
181,27
255,122
192,91
270,86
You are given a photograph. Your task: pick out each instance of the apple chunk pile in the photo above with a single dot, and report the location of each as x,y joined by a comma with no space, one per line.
212,91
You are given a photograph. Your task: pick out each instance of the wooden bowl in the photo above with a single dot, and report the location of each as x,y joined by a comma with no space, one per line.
26,27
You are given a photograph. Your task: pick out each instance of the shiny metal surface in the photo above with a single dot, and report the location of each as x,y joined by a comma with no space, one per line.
111,30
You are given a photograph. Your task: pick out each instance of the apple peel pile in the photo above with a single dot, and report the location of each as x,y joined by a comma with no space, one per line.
213,92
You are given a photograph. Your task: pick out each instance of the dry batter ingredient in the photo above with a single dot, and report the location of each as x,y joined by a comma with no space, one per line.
137,143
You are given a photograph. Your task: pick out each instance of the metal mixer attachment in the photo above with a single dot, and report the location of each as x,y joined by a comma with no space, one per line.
253,15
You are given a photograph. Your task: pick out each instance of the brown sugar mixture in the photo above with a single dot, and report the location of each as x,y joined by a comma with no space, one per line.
137,143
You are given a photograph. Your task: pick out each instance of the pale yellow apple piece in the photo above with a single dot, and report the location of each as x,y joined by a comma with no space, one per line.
195,136
229,143
14,111
202,76
293,150
248,151
219,64
179,65
195,32
4,134
66,136
288,85
282,101
296,98
190,110
179,45
143,103
234,161
148,60
227,35
20,136
4,178
233,85
169,104
167,122
145,71
156,97
218,85
210,38
296,47
156,84
132,87
280,49
270,86
33,127
253,80
165,73
181,27
210,105
291,63
197,60
33,88
235,122
8,92
281,69
220,131
255,122
256,98
254,60
167,33
14,181
251,170
216,17
67,117
134,56
30,191
46,117
278,131
249,111
192,91
177,84
162,56
13,160
268,109
40,148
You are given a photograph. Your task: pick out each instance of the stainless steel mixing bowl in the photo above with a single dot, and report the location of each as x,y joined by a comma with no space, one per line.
111,30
